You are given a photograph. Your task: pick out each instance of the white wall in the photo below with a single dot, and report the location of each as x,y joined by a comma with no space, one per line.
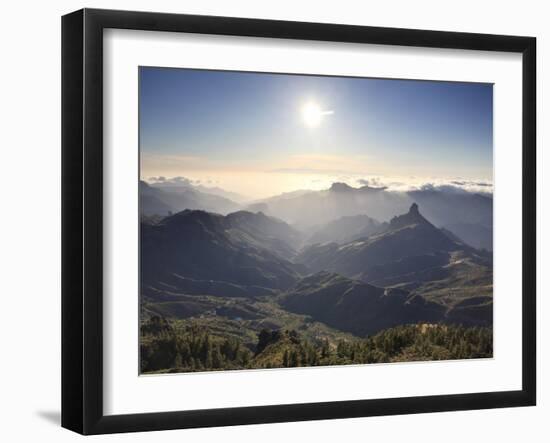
30,218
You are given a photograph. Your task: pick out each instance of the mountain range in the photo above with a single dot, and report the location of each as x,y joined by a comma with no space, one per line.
469,215
407,235
339,214
244,271
241,248
155,200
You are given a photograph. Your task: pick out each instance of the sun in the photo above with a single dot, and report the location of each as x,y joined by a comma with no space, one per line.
312,115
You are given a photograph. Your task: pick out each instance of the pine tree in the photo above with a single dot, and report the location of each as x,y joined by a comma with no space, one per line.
178,363
293,359
208,364
286,359
217,359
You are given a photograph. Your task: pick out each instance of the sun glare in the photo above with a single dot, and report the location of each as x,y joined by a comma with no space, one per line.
312,114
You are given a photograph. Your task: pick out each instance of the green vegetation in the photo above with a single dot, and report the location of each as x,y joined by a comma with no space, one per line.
165,347
192,349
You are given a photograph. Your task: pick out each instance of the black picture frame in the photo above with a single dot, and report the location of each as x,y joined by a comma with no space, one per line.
82,219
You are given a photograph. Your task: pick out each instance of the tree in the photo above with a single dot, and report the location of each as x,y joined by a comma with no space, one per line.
245,358
325,349
178,363
208,364
293,359
286,359
264,338
217,359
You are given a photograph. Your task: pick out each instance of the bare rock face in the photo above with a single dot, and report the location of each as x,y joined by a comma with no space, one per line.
413,217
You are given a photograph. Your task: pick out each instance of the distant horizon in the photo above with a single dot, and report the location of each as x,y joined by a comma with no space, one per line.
261,135
390,185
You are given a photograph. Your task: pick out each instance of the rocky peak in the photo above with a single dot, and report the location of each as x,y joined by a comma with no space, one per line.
413,217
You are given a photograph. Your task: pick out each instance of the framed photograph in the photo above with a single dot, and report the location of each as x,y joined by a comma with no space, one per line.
268,221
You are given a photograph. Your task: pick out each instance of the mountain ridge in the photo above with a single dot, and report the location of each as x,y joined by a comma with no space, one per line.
408,234
166,201
355,306
203,246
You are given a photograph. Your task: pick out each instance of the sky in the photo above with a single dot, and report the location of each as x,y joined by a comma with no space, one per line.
261,134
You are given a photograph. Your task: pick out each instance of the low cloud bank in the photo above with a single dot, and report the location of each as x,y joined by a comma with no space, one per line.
454,186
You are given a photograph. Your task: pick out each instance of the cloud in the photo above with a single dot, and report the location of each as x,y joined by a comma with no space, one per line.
452,189
456,187
159,179
471,183
173,181
180,180
413,183
372,182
